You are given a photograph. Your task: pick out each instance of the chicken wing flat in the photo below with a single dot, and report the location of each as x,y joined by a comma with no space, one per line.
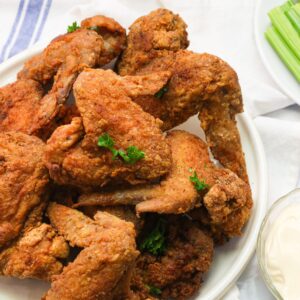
104,102
156,35
23,181
19,102
200,83
112,33
36,254
224,197
178,272
109,254
64,58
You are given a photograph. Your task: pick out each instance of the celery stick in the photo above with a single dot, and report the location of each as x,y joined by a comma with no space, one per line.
282,24
296,8
286,6
294,19
286,55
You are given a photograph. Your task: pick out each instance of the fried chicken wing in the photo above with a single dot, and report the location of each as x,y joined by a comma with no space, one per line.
36,254
108,255
23,181
104,102
200,83
224,194
177,274
112,33
156,35
64,58
21,98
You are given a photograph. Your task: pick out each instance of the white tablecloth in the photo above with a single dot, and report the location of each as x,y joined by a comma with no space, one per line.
221,27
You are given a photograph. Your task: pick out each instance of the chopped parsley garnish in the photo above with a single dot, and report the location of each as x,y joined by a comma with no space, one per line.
161,92
154,291
130,156
200,185
73,27
155,242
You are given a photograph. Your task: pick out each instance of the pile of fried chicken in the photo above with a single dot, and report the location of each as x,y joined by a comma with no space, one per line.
100,195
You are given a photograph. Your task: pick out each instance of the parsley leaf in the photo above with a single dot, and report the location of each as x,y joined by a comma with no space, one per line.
131,156
200,185
154,291
73,27
161,92
155,242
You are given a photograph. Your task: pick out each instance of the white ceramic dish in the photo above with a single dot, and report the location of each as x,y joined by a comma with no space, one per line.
272,62
230,260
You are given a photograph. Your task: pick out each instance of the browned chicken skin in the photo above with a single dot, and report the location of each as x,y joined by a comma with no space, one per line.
64,58
178,272
104,102
112,33
36,254
200,83
19,102
23,181
226,196
109,254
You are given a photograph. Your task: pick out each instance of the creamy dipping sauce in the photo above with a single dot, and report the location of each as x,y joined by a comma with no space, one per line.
282,253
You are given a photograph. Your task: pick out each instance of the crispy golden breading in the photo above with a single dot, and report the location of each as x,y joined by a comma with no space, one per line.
19,102
64,58
112,33
36,254
109,254
23,181
226,195
123,212
178,272
200,83
155,35
104,102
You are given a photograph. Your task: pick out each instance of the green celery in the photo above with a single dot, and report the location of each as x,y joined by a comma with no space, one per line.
282,24
286,55
286,6
294,18
296,8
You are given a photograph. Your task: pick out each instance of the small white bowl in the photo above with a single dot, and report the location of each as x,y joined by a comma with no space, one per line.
291,198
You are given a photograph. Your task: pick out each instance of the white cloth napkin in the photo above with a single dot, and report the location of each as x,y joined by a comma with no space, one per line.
221,27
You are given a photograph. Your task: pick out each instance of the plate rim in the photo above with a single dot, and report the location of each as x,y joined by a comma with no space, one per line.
263,56
262,193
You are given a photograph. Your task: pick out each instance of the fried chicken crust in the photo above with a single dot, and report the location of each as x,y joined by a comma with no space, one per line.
200,83
64,58
21,98
108,255
225,202
178,272
112,33
155,35
104,102
36,254
23,181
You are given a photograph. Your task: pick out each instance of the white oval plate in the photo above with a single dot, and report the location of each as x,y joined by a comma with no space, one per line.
230,260
276,68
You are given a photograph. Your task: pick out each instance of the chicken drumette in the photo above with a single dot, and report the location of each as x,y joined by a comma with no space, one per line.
200,83
224,198
100,40
104,102
102,270
23,181
28,248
